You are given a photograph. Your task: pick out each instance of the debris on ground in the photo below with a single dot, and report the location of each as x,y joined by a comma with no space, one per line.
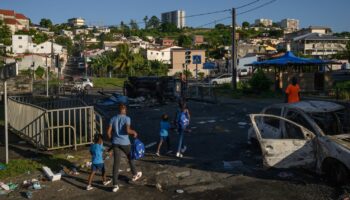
150,145
51,175
232,164
22,142
70,157
29,194
159,187
4,186
179,191
242,123
285,174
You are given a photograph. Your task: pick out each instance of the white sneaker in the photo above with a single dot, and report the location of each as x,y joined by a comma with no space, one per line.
137,176
115,188
179,155
89,187
157,154
107,182
183,150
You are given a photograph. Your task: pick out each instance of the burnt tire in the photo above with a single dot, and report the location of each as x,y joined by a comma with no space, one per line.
336,172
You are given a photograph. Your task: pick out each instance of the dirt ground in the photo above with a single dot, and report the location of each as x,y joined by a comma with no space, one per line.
215,137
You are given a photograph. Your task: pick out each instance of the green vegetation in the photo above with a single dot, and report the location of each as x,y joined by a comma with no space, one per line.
108,82
259,82
343,90
19,167
39,72
5,34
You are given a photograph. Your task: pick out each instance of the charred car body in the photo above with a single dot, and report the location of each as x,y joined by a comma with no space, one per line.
154,87
309,134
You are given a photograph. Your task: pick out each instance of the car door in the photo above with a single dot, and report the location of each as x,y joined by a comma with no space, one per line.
271,127
286,152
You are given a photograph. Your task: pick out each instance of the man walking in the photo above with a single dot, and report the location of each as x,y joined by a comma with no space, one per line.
119,131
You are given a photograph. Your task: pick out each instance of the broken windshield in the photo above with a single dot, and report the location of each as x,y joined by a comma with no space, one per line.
332,123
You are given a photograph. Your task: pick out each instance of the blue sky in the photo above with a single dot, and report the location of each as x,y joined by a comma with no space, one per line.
335,14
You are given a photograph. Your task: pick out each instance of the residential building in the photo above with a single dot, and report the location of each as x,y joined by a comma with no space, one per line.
178,60
318,45
76,22
67,33
290,25
163,54
176,17
310,29
166,42
198,39
264,22
15,21
23,44
80,31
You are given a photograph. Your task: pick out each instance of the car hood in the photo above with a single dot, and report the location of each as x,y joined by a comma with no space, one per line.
343,140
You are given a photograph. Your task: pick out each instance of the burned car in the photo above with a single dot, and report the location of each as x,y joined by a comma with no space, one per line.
311,134
153,87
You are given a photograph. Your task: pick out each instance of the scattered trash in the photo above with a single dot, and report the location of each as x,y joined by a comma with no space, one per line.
4,186
159,187
22,142
2,166
2,192
285,174
128,170
29,194
51,175
179,191
232,164
60,190
12,186
74,171
212,121
150,145
70,157
36,186
88,164
242,123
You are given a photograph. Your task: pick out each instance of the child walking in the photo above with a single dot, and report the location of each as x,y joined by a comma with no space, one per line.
182,121
96,151
164,133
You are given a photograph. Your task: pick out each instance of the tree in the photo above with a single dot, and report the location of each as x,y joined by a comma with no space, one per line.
185,41
168,28
5,34
124,57
154,22
158,68
102,63
145,20
66,42
40,38
134,25
220,26
245,24
46,23
39,72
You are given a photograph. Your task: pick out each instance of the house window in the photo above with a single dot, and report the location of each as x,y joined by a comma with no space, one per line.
151,53
162,53
20,46
20,37
157,54
42,47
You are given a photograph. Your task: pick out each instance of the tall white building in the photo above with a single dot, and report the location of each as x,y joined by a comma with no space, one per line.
176,17
22,44
290,25
265,22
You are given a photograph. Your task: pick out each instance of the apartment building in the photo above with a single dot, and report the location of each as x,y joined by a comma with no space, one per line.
15,21
264,22
289,25
76,22
176,17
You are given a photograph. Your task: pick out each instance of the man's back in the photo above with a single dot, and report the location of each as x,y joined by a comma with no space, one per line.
120,135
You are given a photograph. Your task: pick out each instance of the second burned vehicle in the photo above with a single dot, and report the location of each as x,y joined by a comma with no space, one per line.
310,134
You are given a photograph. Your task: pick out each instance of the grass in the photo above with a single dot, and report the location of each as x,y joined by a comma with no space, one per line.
108,82
18,167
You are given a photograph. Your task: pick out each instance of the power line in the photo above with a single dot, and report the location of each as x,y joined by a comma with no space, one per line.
213,12
241,13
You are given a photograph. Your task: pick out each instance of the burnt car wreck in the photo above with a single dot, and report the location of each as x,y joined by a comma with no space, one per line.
312,134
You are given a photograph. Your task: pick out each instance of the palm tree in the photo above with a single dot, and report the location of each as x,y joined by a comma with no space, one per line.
126,60
101,63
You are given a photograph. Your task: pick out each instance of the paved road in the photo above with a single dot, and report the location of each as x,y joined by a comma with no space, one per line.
215,137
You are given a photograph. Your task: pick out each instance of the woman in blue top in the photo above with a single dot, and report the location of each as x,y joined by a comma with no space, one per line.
164,133
119,131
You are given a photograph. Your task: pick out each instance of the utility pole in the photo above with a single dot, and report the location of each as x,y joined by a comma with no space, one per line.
234,50
6,124
47,76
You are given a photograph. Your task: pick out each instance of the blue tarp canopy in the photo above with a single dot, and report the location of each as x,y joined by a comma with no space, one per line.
290,59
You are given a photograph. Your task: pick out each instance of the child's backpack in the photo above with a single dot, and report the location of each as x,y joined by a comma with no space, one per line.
138,150
183,121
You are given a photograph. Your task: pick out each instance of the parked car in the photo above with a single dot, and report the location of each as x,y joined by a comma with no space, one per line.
83,83
243,72
309,134
222,79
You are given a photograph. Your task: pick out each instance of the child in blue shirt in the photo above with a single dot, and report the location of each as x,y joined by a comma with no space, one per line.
164,133
96,151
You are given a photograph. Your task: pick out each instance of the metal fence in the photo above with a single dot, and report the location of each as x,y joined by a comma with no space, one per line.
201,92
54,124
